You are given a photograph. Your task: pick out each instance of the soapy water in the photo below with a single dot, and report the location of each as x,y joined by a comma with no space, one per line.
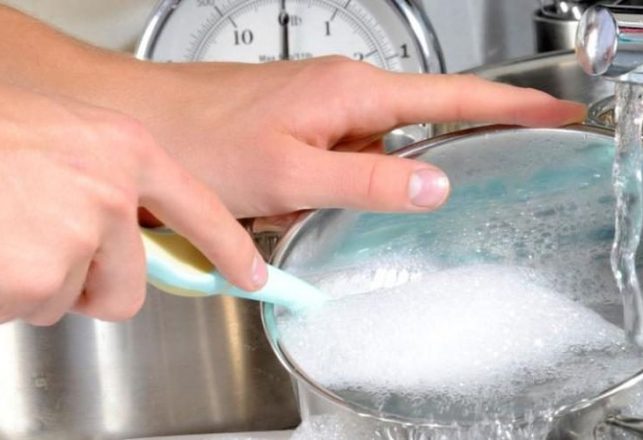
480,345
457,331
488,351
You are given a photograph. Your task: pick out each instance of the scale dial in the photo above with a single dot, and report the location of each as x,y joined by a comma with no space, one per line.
391,34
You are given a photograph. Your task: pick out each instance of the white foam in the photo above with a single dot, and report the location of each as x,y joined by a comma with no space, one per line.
477,332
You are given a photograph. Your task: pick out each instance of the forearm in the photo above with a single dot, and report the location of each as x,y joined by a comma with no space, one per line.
35,56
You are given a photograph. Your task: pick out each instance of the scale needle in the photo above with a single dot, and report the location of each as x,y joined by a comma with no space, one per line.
284,18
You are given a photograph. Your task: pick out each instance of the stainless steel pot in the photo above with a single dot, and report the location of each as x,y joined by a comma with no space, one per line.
508,183
181,366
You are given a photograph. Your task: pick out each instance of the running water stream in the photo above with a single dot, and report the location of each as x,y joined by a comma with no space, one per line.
629,208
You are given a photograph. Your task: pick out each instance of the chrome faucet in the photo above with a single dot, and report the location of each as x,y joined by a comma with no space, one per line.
609,42
567,9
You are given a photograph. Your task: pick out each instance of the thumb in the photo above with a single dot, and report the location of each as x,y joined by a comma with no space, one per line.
372,182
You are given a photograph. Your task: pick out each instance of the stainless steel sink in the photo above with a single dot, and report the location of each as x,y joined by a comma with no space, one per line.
556,73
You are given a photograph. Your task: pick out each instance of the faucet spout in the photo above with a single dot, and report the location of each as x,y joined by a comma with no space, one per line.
609,42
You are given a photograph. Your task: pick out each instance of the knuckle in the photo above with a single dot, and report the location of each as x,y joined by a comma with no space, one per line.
117,201
125,310
128,135
43,287
117,136
110,311
126,128
80,240
129,311
384,183
85,244
340,70
28,282
334,59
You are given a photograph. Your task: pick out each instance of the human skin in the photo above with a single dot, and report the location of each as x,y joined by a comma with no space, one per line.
260,134
72,178
268,139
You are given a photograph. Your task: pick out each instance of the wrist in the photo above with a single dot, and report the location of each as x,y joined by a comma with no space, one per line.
45,60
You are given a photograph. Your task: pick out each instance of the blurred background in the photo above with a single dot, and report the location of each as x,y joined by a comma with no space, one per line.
472,32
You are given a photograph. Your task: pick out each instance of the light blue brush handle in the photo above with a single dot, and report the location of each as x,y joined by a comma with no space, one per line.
175,266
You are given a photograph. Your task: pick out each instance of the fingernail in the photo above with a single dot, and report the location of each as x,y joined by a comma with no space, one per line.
428,188
580,112
259,271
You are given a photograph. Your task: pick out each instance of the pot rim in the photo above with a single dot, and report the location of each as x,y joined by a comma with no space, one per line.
599,108
280,252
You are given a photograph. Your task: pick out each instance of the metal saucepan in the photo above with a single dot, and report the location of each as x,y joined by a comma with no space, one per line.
509,184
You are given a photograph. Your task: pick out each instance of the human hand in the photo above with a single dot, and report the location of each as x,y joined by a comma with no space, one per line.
259,134
72,179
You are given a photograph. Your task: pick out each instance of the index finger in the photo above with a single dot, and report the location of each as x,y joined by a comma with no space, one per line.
187,206
415,98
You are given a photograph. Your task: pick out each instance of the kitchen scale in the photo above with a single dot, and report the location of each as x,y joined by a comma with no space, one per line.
391,34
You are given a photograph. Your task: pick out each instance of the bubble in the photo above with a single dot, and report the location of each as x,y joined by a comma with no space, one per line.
464,342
